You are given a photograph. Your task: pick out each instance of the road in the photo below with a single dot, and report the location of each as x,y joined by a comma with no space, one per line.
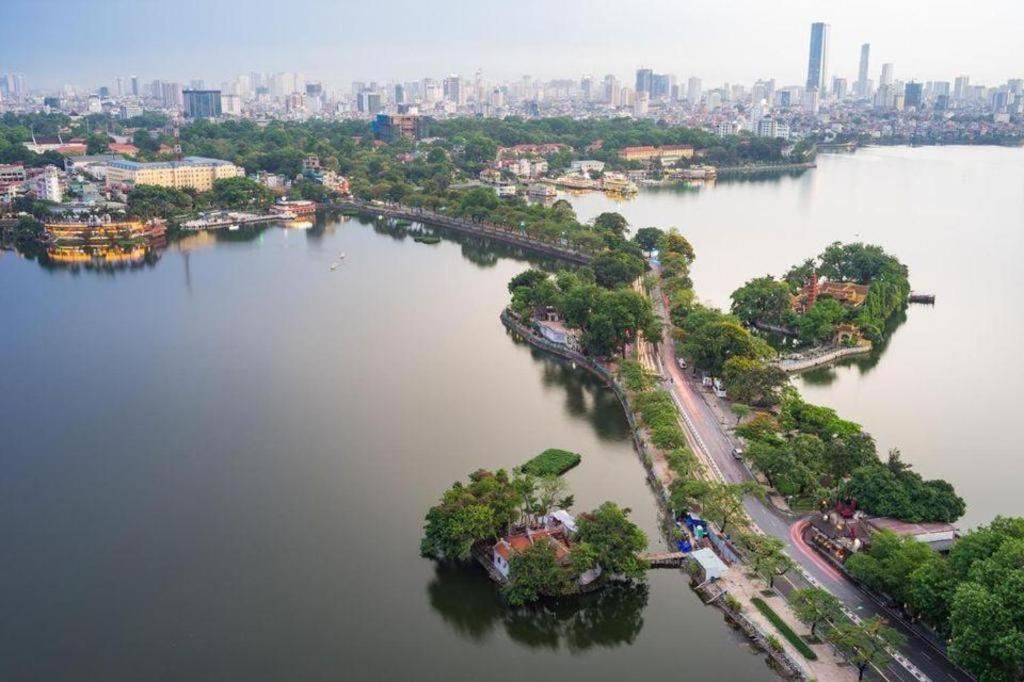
920,658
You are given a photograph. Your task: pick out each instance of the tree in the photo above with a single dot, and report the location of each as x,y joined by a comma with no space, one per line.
613,270
866,643
615,540
611,222
674,243
648,238
740,410
985,641
534,571
819,323
97,143
723,502
152,201
815,605
552,492
750,380
762,299
240,193
527,278
711,345
767,556
468,513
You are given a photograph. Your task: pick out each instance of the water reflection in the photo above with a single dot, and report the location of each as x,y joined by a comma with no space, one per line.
471,605
824,376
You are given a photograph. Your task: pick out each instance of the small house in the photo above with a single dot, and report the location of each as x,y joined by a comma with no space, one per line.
711,566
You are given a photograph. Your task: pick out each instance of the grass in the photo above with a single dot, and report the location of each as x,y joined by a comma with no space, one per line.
784,629
426,239
551,462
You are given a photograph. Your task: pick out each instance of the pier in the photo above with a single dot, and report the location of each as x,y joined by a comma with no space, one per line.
665,559
921,298
502,233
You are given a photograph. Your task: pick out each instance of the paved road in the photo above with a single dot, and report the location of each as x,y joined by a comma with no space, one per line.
713,438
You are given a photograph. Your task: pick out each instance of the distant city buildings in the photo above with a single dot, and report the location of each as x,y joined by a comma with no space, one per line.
817,62
202,103
192,172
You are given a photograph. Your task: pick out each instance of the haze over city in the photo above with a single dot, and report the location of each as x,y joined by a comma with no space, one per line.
336,42
547,341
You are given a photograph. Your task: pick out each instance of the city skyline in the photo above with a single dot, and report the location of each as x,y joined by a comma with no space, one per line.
503,42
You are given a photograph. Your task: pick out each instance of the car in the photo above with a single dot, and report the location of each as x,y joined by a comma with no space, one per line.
737,453
682,363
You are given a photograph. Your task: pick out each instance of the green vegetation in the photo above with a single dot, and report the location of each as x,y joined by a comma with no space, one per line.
894,490
865,644
767,301
971,596
608,318
551,462
784,629
427,239
492,505
766,556
813,454
815,606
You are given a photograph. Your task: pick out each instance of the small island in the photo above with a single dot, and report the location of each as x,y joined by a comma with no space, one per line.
828,307
520,530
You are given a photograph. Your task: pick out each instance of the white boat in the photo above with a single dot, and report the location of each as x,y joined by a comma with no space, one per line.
232,228
334,266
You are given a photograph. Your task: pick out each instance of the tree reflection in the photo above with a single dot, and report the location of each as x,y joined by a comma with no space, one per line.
825,376
471,604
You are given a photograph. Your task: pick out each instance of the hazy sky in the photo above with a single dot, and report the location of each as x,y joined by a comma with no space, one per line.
89,42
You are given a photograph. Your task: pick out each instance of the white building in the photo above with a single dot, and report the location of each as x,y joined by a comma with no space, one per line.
48,185
771,127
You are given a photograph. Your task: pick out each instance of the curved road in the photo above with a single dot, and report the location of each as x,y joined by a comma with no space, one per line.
919,659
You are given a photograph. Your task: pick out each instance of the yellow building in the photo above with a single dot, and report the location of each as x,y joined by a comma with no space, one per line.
192,172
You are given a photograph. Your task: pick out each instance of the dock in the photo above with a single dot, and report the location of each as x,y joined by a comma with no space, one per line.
921,298
665,559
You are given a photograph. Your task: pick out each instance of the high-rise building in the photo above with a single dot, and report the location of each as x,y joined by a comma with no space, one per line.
119,86
202,103
612,90
912,95
961,88
693,90
643,80
587,88
453,90
817,62
839,87
885,80
862,72
171,94
135,86
661,86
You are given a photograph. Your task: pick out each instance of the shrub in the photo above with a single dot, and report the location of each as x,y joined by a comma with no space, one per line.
551,462
786,631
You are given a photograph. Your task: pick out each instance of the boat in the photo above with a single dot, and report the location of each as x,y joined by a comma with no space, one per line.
618,183
232,228
541,191
334,266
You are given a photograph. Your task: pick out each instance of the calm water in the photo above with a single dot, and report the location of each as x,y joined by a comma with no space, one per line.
945,388
217,467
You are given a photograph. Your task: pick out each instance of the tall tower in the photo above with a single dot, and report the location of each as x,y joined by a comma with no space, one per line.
862,73
817,62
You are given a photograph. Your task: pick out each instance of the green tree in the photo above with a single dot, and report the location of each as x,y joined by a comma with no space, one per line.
611,222
767,557
468,513
648,238
533,572
615,539
723,502
751,380
815,606
985,641
762,299
616,269
740,410
866,643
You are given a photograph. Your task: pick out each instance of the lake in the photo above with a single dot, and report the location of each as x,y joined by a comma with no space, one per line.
955,216
216,467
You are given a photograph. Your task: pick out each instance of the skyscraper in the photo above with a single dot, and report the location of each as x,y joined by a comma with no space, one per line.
960,87
643,80
693,90
862,73
886,77
912,95
202,103
817,62
135,86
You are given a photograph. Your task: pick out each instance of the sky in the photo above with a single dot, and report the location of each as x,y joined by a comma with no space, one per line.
90,42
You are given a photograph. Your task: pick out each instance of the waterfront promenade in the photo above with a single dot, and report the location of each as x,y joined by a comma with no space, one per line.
502,233
919,659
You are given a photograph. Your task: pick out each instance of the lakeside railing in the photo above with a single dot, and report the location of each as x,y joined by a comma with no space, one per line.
482,228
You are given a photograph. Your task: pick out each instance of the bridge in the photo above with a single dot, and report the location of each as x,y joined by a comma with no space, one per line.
502,233
664,559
